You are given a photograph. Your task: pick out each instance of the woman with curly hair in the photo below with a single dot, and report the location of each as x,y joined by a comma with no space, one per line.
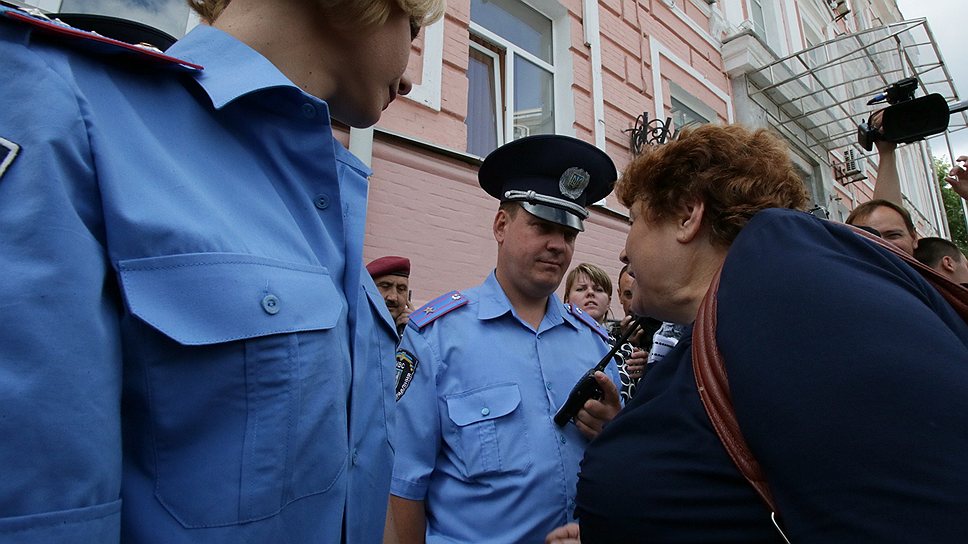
845,367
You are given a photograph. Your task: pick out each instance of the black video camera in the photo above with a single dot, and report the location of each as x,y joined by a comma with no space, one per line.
906,119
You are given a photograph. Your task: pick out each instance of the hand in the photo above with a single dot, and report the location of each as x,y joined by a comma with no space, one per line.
566,534
596,413
635,364
404,316
958,177
635,339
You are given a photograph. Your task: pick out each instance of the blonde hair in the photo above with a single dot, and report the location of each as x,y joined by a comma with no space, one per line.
367,12
597,276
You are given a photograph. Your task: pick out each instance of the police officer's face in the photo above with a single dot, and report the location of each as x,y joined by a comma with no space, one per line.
395,290
533,254
370,75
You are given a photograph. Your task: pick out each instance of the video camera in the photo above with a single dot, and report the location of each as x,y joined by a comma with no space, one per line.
906,119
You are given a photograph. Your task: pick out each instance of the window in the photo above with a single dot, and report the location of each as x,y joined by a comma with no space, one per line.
683,116
764,18
511,74
686,110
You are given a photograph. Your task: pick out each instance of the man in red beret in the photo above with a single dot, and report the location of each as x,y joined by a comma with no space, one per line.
392,277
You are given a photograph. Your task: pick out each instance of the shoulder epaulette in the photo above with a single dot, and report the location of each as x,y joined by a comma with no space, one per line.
587,319
94,42
437,308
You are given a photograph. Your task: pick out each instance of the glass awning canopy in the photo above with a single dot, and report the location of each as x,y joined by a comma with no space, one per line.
820,94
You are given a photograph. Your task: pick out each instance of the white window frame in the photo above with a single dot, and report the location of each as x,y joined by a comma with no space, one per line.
499,90
560,67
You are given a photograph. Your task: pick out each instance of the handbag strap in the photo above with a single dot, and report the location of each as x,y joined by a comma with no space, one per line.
710,370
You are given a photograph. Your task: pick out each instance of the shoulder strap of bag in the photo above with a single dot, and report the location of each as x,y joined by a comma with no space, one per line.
710,370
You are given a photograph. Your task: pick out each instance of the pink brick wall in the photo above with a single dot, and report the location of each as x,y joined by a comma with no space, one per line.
429,207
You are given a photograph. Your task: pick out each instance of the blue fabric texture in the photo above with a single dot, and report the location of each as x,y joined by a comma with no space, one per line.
475,437
192,353
848,374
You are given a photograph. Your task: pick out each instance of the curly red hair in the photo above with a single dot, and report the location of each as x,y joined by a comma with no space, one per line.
733,171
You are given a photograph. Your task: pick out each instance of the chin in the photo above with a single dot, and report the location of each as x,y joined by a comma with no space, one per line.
358,119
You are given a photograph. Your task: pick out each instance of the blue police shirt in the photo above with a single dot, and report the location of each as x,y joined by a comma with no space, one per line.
475,437
848,374
191,351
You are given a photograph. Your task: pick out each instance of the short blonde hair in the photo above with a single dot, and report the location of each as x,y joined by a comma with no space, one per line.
368,12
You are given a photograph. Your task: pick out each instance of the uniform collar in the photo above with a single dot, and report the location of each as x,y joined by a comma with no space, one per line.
232,68
494,302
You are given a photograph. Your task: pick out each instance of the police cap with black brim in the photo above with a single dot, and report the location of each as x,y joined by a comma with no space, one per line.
553,177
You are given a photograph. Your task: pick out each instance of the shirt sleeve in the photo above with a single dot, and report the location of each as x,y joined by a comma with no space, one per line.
60,355
848,376
417,429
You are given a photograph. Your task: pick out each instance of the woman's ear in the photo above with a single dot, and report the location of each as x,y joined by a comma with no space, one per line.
689,220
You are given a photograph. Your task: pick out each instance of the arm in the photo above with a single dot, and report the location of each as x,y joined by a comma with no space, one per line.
409,520
60,351
888,186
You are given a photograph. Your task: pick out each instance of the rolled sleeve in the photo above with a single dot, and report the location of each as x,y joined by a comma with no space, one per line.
417,431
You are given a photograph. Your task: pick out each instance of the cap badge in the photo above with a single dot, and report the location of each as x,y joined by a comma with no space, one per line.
573,182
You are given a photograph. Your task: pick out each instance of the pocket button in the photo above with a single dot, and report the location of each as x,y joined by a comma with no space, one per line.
270,303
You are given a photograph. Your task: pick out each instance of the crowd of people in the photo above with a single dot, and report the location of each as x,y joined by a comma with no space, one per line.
192,361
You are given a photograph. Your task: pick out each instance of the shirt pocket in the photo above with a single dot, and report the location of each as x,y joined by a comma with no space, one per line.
491,431
246,372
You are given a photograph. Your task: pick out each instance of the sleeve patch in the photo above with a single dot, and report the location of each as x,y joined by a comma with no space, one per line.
437,308
406,368
8,152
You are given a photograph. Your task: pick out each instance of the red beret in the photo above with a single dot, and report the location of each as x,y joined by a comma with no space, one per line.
384,266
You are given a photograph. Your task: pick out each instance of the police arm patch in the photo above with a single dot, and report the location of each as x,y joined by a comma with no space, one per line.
406,367
8,152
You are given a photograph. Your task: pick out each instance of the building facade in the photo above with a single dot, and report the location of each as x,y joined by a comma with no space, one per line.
609,71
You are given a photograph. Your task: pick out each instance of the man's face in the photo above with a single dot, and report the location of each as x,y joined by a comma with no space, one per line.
960,273
625,285
892,228
533,254
395,290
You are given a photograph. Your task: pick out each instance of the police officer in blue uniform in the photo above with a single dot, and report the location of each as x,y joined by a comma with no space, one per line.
191,349
478,456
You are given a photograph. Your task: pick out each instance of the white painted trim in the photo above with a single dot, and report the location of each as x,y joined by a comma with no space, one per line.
593,40
702,32
658,50
361,144
498,85
427,92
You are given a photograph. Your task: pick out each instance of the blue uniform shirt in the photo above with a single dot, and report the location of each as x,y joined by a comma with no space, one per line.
190,351
475,437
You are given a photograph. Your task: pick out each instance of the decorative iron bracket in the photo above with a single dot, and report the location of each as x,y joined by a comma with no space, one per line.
645,132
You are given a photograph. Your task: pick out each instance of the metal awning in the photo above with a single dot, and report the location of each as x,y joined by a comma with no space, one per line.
819,95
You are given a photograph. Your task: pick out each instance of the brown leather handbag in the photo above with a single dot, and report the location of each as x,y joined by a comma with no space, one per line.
710,371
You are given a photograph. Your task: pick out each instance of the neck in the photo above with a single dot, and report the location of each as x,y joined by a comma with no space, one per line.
530,308
700,272
292,37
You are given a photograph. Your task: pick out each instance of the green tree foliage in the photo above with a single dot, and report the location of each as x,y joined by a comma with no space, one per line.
952,206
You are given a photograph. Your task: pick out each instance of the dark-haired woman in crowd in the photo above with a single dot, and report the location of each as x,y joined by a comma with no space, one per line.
847,371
